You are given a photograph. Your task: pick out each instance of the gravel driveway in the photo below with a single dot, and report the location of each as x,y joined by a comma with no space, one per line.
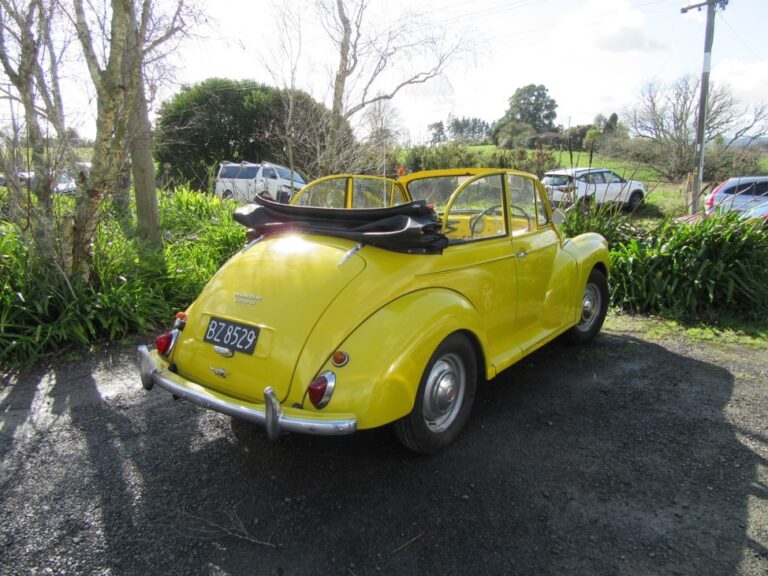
627,456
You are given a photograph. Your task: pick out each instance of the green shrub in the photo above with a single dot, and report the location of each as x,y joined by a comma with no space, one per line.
132,289
606,219
717,267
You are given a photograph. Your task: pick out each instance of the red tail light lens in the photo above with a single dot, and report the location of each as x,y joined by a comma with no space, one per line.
710,202
163,343
321,388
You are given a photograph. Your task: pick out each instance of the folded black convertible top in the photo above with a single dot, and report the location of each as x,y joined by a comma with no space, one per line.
410,228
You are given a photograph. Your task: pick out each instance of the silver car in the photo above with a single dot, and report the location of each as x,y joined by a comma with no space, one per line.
741,193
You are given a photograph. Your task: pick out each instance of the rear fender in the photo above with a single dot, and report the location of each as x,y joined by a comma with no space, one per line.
389,351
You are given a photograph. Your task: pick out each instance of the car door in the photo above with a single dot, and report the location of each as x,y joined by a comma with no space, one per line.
270,181
597,186
478,262
617,189
543,270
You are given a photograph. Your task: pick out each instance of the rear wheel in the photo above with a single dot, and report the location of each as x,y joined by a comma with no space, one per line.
227,195
594,307
444,398
635,200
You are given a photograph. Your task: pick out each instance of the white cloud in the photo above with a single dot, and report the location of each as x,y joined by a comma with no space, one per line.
748,80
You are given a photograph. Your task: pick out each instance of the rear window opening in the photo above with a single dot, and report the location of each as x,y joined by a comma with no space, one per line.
556,180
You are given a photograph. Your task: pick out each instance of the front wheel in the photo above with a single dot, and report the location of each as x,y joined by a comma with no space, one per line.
594,307
444,398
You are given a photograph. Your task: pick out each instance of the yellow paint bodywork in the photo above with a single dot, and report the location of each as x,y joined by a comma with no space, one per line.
313,295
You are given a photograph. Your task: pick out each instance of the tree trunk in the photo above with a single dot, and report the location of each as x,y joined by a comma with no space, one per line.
144,185
339,87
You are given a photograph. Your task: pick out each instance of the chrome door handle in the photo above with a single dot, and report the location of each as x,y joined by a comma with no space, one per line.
522,254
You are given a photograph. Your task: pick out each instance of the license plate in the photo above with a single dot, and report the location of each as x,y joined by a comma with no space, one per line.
232,335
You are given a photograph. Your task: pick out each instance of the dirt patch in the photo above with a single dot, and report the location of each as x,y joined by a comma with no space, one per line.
627,456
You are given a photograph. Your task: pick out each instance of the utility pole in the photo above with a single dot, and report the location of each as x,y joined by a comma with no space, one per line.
702,118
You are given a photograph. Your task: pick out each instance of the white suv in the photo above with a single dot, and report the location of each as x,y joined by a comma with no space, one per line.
598,185
244,181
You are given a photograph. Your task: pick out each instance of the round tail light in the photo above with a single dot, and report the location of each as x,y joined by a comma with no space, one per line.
321,388
164,343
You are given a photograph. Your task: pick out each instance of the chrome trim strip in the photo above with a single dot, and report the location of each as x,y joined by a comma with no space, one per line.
271,416
350,253
251,244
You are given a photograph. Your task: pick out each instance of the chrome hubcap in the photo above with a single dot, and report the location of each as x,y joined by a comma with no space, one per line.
589,306
444,392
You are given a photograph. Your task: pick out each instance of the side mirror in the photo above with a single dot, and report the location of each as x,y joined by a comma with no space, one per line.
558,217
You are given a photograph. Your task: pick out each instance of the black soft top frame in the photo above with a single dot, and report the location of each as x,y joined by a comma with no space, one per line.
411,228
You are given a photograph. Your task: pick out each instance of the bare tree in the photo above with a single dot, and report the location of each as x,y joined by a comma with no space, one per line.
30,60
119,39
376,65
283,68
666,117
382,123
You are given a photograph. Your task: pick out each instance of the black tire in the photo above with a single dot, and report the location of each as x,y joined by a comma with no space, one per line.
593,311
444,398
635,200
227,195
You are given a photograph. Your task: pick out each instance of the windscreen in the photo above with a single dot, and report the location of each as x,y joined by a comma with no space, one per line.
285,174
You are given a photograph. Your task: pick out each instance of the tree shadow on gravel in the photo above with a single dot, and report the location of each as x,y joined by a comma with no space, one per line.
613,458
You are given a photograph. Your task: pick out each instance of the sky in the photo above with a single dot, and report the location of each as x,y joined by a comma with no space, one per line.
593,56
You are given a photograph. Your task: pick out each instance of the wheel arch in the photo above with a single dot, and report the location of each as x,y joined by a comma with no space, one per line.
381,387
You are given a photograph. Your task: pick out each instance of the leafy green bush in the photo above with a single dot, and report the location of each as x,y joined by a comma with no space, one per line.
132,289
455,155
717,267
606,219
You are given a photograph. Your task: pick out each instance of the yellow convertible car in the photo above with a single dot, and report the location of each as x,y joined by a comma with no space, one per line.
370,301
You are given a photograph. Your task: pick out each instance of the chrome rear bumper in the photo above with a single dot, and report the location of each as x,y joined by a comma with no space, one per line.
271,415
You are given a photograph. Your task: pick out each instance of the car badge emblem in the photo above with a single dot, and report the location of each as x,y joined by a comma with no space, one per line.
219,371
242,298
226,352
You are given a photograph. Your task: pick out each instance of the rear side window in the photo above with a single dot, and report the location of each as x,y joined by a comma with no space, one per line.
238,172
374,193
434,191
592,178
328,194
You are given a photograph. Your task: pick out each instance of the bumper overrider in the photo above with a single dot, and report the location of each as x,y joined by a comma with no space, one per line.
271,415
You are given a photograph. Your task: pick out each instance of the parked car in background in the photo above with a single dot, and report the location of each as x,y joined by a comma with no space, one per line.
66,184
740,193
599,185
333,319
245,180
758,212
